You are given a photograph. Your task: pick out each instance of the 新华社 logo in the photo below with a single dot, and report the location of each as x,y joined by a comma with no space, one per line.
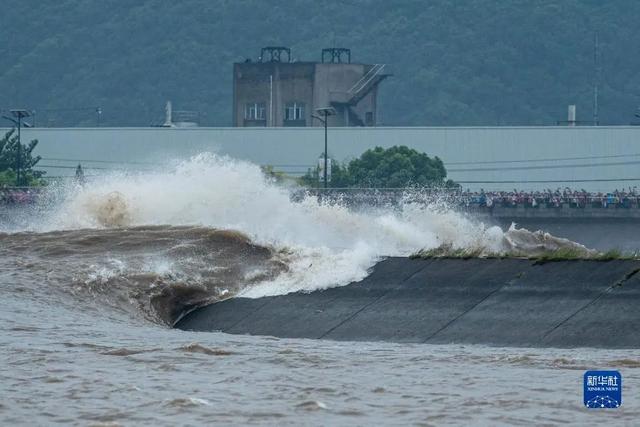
602,389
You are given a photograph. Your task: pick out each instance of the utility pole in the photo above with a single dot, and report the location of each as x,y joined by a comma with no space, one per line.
271,100
324,178
596,78
19,155
19,114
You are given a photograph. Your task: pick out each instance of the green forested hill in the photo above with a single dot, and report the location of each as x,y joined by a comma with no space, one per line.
455,62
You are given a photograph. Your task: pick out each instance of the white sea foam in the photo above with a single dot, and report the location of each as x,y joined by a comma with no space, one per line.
324,245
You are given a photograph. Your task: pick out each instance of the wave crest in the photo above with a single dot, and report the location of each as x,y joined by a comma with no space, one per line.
212,227
159,272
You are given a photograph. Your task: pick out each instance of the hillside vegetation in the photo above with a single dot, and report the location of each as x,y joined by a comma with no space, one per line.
463,62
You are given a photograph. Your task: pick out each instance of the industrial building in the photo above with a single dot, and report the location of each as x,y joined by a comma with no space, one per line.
277,91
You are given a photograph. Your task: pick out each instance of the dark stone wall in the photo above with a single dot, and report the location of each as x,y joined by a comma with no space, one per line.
504,302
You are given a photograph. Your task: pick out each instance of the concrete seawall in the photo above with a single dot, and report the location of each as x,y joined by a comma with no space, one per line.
599,234
508,302
499,157
564,212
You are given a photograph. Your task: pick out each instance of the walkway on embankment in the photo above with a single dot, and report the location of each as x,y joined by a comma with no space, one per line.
504,302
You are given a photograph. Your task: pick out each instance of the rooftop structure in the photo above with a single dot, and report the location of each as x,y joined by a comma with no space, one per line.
278,91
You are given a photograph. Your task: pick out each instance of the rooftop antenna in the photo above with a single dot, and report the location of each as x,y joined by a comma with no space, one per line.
596,78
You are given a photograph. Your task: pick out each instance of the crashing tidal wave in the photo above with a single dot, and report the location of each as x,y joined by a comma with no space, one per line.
164,243
159,272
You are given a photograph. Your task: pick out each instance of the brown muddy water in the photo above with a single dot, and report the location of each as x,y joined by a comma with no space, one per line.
86,341
91,284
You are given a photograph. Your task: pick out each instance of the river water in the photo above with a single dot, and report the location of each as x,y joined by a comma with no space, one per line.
90,286
61,365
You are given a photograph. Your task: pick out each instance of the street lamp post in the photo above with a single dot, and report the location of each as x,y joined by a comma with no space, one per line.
325,112
19,114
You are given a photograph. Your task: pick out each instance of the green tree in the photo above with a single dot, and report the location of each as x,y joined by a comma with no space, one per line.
395,167
398,166
9,161
339,176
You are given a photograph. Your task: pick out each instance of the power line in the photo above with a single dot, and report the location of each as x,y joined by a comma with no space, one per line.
487,162
548,181
490,169
89,167
66,176
69,109
100,161
556,159
583,165
151,163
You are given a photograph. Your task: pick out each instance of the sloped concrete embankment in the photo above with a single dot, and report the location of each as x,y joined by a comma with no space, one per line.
506,302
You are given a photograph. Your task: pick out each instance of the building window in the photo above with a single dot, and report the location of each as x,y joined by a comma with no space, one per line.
294,111
254,111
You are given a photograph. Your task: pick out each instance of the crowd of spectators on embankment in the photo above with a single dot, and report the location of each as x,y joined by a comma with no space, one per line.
480,199
17,196
552,198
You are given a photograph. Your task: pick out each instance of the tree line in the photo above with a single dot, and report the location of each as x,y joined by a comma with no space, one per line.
463,62
394,167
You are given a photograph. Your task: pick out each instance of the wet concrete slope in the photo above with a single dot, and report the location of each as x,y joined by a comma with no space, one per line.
507,302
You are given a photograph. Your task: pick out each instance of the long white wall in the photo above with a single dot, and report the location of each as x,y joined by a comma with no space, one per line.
579,157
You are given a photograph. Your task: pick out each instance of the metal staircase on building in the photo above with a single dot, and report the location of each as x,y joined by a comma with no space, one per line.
348,100
363,86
